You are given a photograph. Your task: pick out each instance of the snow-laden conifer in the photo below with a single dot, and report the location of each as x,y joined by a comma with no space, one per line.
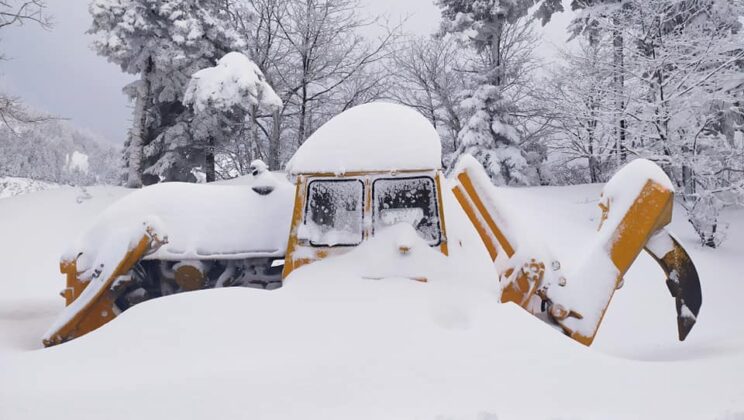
163,42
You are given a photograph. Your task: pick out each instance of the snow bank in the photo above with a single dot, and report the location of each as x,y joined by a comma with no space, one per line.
380,258
370,137
333,344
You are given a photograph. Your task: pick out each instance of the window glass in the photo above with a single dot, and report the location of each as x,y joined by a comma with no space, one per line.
407,200
333,215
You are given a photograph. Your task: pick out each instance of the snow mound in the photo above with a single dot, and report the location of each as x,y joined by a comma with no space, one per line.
371,137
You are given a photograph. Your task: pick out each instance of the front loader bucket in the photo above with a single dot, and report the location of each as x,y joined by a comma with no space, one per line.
682,279
91,302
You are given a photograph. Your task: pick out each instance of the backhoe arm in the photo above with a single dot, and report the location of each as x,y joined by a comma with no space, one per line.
636,206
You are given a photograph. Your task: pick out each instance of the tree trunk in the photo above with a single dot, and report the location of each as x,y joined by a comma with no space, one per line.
255,147
593,162
303,117
138,133
209,160
618,70
496,53
274,142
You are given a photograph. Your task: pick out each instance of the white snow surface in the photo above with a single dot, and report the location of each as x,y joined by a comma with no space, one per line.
13,186
371,137
201,221
352,337
77,161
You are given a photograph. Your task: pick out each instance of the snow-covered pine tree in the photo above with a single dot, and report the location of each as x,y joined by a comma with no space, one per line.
488,131
164,42
222,97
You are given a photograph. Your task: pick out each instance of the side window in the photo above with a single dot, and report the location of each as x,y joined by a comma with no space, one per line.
334,213
408,200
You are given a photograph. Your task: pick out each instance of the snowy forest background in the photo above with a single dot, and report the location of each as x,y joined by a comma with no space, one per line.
220,83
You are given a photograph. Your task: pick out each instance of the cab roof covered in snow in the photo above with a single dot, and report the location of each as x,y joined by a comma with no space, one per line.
370,137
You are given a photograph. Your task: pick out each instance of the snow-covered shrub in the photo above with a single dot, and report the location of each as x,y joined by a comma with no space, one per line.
163,42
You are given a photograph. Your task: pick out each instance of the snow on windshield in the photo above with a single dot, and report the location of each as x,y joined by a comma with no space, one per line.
334,213
407,200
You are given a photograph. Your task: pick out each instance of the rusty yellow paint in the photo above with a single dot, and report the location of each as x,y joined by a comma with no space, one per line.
100,309
443,247
367,227
73,284
290,264
529,278
190,278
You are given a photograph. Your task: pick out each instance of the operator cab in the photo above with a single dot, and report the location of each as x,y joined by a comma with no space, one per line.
373,166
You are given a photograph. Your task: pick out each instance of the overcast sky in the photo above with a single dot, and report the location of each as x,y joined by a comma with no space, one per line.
55,70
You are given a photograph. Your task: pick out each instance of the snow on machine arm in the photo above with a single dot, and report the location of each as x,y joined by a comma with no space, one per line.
636,206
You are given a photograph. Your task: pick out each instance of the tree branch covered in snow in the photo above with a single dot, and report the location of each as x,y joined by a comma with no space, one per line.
683,73
22,12
223,97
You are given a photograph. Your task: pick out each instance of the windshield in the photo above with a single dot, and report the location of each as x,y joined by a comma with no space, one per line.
408,200
334,213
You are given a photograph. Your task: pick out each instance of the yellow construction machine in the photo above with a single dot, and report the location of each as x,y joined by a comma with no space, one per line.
370,167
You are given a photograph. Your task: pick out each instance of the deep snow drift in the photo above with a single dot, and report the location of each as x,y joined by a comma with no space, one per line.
339,342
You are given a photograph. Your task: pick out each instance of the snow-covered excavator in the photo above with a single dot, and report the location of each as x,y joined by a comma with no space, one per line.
371,167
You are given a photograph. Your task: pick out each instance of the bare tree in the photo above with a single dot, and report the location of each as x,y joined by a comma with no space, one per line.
580,93
19,13
314,55
426,77
324,41
12,110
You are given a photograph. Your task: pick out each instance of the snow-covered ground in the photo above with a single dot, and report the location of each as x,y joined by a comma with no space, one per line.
333,343
13,186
